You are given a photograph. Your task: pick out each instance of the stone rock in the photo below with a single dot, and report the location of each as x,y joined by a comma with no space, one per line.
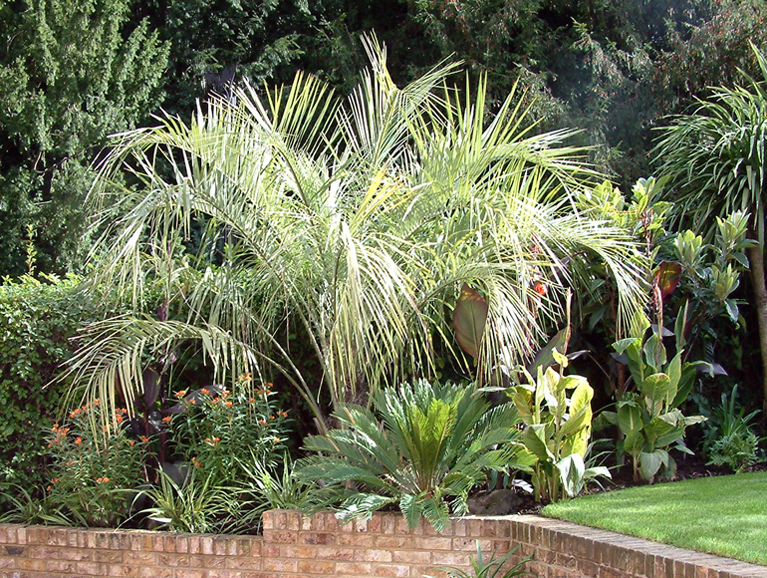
494,503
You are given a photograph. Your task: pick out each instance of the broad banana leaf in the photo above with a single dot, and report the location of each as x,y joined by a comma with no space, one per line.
469,319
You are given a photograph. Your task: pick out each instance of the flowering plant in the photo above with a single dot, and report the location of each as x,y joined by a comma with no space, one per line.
219,429
93,479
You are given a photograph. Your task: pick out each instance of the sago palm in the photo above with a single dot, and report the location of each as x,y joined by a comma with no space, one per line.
717,159
422,448
358,219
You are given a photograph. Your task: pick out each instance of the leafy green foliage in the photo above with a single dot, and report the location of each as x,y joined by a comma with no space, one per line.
649,418
729,438
492,568
71,73
220,432
716,157
94,481
197,505
384,204
557,432
423,447
39,318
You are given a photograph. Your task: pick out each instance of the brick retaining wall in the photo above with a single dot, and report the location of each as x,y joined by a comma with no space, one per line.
293,547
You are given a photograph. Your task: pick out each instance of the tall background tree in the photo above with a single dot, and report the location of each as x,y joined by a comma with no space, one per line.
71,72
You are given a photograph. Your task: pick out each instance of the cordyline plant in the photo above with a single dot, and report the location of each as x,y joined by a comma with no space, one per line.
716,159
357,219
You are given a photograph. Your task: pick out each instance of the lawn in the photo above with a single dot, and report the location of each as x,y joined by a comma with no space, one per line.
724,515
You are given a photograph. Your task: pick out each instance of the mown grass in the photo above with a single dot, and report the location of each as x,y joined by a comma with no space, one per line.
723,515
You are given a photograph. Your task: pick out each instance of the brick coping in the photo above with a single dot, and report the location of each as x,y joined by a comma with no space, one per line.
679,562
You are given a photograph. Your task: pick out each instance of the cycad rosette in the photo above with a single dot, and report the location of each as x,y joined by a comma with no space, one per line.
422,447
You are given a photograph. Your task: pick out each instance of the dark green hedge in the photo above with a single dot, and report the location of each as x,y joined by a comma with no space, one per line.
38,319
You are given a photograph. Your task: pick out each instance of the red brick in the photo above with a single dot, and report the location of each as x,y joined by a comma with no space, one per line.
190,574
281,537
154,572
112,556
122,570
357,540
317,538
470,544
23,564
432,543
90,568
277,565
394,570
244,563
317,567
411,557
353,568
372,556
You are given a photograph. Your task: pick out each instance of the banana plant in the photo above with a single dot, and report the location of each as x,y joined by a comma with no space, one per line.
649,418
557,430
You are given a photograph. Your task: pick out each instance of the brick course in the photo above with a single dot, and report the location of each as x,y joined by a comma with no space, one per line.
294,546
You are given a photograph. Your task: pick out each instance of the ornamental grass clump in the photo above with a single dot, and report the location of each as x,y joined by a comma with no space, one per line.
421,448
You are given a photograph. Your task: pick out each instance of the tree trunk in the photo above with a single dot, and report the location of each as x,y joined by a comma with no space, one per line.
756,256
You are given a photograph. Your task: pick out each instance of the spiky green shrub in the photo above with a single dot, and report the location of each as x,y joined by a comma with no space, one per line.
422,448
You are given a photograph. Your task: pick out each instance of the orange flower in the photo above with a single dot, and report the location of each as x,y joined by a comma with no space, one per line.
119,418
78,441
144,439
195,463
192,401
228,403
205,391
180,394
74,413
540,288
132,442
246,376
167,419
252,400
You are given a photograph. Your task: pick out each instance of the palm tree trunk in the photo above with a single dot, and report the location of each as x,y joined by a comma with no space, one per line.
756,256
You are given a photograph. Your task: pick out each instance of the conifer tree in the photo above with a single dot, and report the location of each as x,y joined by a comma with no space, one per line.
71,72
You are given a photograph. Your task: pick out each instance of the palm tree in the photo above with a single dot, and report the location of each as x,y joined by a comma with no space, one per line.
716,158
359,219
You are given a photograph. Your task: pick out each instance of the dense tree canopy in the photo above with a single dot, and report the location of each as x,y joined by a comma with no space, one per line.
71,72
